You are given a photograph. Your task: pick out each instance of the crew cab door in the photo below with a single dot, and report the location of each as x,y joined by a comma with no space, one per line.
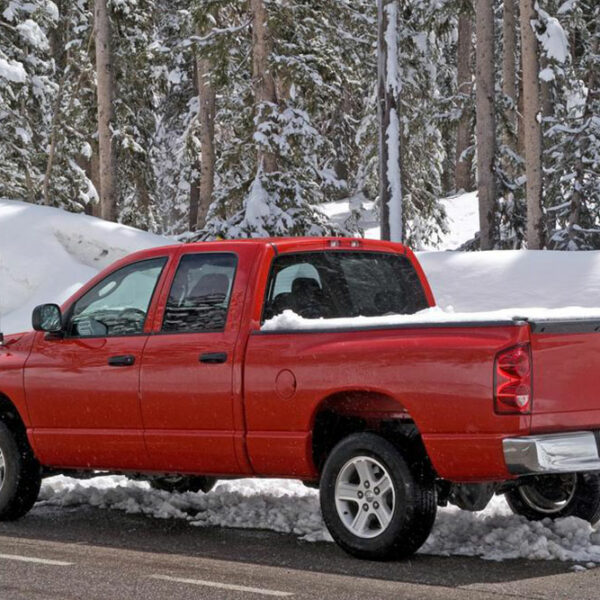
82,388
189,404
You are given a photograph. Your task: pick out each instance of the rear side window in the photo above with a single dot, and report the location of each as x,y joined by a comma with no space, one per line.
199,296
337,284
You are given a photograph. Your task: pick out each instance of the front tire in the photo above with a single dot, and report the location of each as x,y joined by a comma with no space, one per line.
556,496
20,477
373,504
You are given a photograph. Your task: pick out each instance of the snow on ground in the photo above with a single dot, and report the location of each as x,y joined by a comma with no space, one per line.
46,254
462,214
290,507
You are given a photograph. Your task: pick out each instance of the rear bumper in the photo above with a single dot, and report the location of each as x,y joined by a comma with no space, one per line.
552,453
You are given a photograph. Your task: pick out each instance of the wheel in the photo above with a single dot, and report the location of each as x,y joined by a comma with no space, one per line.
373,504
20,477
555,496
183,483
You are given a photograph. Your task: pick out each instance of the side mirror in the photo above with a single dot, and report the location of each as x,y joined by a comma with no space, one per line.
47,317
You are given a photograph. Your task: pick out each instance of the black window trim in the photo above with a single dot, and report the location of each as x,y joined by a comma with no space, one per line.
338,250
68,315
181,256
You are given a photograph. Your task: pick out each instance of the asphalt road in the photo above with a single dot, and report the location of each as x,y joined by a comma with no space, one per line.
89,553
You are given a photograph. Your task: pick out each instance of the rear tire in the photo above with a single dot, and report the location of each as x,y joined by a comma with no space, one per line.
183,483
373,504
557,496
20,476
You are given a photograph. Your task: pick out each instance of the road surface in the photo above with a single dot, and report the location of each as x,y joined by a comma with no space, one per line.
88,553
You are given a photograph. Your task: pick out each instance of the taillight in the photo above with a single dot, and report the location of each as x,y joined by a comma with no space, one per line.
512,381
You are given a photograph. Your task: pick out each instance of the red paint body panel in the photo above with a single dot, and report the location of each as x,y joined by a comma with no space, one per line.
188,407
566,381
75,400
170,413
441,376
13,354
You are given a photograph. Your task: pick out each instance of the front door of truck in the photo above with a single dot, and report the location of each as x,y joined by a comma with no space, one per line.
83,388
187,376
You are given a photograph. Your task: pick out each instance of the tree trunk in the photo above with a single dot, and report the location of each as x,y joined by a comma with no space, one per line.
264,83
206,97
509,69
486,126
104,75
531,127
465,86
388,90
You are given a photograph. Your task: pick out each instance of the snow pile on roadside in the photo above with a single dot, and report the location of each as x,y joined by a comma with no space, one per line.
289,507
46,254
286,506
289,320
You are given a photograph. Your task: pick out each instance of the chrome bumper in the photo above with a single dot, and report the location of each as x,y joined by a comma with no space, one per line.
552,453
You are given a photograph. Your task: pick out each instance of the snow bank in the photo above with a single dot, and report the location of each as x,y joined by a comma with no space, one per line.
495,280
47,253
290,507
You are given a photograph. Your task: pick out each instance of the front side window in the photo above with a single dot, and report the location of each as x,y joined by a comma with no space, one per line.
337,284
118,305
199,296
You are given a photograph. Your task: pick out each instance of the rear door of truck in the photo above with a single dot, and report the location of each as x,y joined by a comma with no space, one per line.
188,367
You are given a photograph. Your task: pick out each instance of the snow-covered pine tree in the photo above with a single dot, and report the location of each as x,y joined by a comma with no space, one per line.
301,101
27,94
569,35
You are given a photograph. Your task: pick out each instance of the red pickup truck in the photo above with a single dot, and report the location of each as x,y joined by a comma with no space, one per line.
160,368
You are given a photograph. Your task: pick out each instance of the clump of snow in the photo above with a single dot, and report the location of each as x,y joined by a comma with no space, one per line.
32,33
46,254
553,37
288,506
12,70
289,320
257,206
547,74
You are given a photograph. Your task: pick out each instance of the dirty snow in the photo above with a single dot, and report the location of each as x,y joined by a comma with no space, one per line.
290,507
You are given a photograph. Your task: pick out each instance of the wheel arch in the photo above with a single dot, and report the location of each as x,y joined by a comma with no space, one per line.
360,410
11,417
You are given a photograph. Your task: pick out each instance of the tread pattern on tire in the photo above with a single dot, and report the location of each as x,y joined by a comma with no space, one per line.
415,497
23,477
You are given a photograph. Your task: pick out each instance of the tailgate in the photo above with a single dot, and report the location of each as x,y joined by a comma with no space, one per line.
566,374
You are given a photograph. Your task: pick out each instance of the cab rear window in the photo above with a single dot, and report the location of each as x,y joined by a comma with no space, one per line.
337,284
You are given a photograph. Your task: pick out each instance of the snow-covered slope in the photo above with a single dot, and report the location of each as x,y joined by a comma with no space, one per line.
495,280
47,253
